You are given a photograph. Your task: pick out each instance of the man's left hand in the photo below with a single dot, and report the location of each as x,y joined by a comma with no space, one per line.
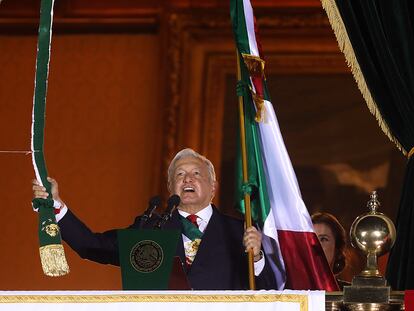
252,240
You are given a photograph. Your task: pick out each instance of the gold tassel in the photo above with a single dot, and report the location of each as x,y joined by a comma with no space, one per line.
53,260
259,103
255,65
346,47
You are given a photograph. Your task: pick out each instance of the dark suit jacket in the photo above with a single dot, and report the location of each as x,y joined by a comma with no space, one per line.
220,263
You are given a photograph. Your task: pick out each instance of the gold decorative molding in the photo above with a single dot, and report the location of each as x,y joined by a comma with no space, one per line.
79,16
302,300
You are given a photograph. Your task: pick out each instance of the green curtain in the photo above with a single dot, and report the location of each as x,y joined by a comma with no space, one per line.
377,39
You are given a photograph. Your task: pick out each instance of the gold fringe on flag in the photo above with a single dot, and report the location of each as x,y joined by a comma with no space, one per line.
53,260
255,65
259,103
345,45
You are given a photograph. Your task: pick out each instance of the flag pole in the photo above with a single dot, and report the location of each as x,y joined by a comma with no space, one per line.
248,213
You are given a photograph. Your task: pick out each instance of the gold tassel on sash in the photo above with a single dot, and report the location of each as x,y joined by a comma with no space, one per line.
53,260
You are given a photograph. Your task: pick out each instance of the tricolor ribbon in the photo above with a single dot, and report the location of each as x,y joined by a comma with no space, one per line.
195,235
52,254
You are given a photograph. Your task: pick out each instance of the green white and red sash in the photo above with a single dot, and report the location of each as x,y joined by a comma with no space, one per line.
51,250
194,235
290,243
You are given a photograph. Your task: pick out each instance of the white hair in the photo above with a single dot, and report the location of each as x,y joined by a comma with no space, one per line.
185,153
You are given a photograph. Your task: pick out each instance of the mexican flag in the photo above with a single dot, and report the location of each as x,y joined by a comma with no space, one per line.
290,244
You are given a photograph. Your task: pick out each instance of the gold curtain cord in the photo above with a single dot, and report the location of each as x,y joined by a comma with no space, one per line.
410,153
25,152
345,45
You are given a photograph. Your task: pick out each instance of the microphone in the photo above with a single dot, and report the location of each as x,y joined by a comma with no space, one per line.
153,203
172,203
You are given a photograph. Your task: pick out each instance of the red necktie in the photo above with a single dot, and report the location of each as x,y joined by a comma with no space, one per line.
193,219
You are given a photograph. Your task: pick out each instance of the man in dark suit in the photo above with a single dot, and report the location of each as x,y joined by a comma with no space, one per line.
214,249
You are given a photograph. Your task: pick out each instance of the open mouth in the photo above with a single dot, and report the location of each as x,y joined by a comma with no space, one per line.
188,189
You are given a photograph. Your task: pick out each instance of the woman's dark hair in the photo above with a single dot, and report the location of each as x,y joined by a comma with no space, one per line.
340,238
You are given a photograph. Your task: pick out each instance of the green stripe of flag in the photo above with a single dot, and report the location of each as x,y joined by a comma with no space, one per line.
239,26
256,177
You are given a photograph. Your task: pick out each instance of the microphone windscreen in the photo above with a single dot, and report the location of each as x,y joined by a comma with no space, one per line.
173,200
155,201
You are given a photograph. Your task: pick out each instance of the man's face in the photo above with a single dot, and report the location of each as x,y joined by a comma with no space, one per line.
191,181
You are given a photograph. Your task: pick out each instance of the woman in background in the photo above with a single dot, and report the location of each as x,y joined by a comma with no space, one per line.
332,237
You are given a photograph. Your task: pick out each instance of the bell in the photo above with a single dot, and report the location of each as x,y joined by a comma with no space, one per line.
374,234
